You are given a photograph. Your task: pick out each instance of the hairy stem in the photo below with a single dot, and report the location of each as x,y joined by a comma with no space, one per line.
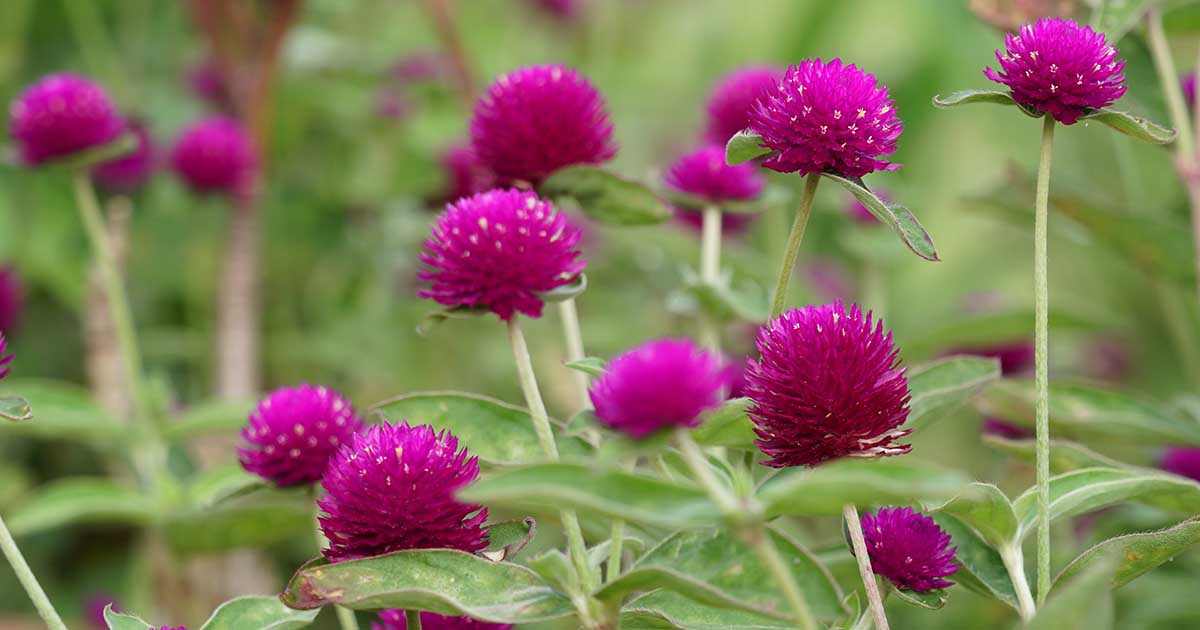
574,338
795,237
862,556
1041,301
710,270
1014,562
616,547
29,580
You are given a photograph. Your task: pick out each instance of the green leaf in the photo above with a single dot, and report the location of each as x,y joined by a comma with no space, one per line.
63,411
249,520
443,581
931,600
715,568
211,417
940,386
607,492
968,97
553,566
1134,126
727,425
507,538
1090,489
432,319
981,568
664,609
592,366
607,197
822,491
498,433
1080,411
83,160
566,292
727,303
15,408
1065,456
122,621
80,500
258,613
1137,553
1084,603
211,487
744,146
982,330
987,509
895,216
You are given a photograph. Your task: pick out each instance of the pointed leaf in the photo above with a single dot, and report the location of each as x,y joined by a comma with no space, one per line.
592,366
87,158
1084,603
987,509
822,491
728,303
249,520
1116,19
980,566
1065,456
553,566
727,425
122,621
1134,126
930,600
665,610
214,486
606,197
744,146
939,386
967,97
1137,553
80,500
15,408
897,217
507,538
63,411
260,613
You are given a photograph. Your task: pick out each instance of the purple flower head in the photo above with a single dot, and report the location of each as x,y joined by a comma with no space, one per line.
732,99
394,620
60,115
560,9
732,223
392,104
216,155
294,431
1183,461
12,297
828,385
860,213
735,377
129,172
1000,428
498,250
536,120
208,83
1188,83
392,488
464,175
664,383
703,173
5,360
1059,67
827,117
909,549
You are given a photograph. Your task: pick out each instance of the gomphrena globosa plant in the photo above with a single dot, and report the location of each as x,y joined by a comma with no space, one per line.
394,620
909,549
60,116
732,99
129,172
294,431
216,155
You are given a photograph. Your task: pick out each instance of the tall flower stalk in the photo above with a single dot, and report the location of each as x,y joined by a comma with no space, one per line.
1041,341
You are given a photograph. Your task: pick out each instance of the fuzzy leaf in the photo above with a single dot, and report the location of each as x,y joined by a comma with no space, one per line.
744,146
433,318
727,425
823,490
1065,456
897,217
122,621
724,302
80,500
1134,126
214,416
1083,603
507,538
937,387
980,567
1137,553
250,520
219,484
930,600
260,613
15,408
968,97
667,610
987,509
607,197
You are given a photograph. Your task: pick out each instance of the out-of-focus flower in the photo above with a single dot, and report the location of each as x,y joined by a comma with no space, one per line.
93,610
294,431
216,155
704,174
561,9
733,97
464,175
5,360
1009,15
12,298
1183,461
909,549
1000,428
209,83
60,115
394,620
130,171
1188,83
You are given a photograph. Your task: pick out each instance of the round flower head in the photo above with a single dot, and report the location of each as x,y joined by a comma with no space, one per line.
732,99
536,120
394,620
1183,461
1058,67
660,384
705,174
208,83
12,298
828,385
827,117
498,250
908,549
392,488
294,431
215,155
130,171
60,115
464,176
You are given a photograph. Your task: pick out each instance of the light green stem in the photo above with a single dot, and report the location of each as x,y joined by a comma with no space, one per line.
1014,562
710,270
616,547
29,580
574,338
412,619
863,558
795,237
345,616
1041,306
768,554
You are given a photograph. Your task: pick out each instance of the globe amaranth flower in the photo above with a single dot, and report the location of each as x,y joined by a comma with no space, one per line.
464,175
733,97
294,431
1059,67
12,298
1182,460
5,360
208,82
827,117
129,171
1003,429
828,384
704,174
536,120
908,549
664,383
1188,84
394,620
392,488
216,155
498,250
60,115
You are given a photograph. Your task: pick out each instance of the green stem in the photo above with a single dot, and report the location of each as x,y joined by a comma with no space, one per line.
1041,301
574,338
726,502
345,616
863,558
1014,562
793,244
29,580
710,270
1160,51
412,620
766,551
616,547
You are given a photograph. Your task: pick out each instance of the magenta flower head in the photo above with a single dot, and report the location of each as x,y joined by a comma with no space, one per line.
703,173
909,549
12,298
464,175
392,488
1188,83
827,117
5,360
208,82
498,250
1182,461
216,155
732,99
394,620
294,431
130,171
60,115
664,383
1059,67
536,120
828,384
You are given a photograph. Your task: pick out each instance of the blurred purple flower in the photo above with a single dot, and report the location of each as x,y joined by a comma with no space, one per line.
1002,429
420,66
733,97
561,9
93,610
5,360
60,115
209,84
1016,357
909,549
130,171
1107,358
705,174
216,155
735,377
394,620
828,278
1182,460
732,223
391,104
12,298
294,431
464,175
1188,83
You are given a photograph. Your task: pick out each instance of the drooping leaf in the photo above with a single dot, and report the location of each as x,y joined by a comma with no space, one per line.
968,97
122,621
429,579
249,520
507,538
260,613
897,217
62,411
980,566
87,158
79,501
556,570
1083,603
744,146
592,366
930,600
433,318
727,425
224,482
822,491
1065,456
937,387
211,417
1137,553
15,408
607,197
608,492
1133,126
987,509
566,292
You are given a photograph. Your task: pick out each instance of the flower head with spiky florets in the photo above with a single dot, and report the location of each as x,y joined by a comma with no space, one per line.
704,174
294,431
1183,461
1059,67
827,117
536,120
60,115
499,250
216,155
828,384
664,383
732,99
392,488
909,549
394,620
130,171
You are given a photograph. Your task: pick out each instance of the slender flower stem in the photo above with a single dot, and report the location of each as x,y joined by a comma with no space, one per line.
1041,301
863,557
346,618
710,268
1014,562
412,620
616,547
442,17
574,338
793,244
768,554
29,580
